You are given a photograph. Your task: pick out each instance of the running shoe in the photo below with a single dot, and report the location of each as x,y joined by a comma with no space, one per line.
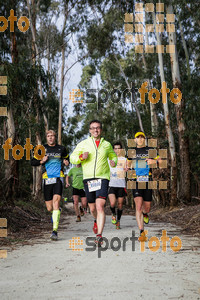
99,240
114,221
142,237
146,218
81,211
54,236
118,225
78,219
95,229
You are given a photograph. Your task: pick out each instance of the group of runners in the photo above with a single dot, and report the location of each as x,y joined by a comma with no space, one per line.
99,174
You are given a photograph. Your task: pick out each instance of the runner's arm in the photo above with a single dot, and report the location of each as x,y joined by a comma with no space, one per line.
37,162
126,167
151,161
65,157
67,178
111,155
75,156
67,181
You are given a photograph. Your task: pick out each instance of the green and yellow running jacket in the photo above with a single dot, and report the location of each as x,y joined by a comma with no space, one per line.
96,165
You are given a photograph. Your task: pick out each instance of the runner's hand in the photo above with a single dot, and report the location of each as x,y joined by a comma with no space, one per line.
85,155
66,162
112,163
150,161
67,185
44,159
126,169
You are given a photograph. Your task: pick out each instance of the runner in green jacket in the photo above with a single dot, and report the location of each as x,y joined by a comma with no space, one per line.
93,154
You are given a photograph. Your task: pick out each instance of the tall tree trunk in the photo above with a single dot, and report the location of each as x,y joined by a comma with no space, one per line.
62,82
184,193
154,119
185,49
133,103
35,55
170,137
11,166
37,173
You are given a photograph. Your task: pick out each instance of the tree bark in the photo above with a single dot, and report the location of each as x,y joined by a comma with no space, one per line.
37,174
170,137
11,166
185,193
132,100
62,82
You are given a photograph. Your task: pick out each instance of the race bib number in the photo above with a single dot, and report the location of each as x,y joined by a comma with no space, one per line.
94,185
142,178
50,181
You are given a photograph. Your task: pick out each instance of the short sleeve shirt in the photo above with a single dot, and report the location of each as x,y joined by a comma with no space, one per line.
117,174
77,174
142,170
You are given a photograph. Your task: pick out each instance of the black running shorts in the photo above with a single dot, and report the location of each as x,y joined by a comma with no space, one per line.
146,194
78,192
52,189
117,191
102,193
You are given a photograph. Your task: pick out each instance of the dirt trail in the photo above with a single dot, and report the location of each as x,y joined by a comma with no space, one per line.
51,270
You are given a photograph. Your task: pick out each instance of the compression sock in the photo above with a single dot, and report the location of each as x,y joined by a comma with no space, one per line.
119,214
113,210
51,212
56,219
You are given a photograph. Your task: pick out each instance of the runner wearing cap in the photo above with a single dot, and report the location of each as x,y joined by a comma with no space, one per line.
93,153
143,173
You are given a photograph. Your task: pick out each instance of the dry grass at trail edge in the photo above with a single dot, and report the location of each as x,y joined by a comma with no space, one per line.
27,222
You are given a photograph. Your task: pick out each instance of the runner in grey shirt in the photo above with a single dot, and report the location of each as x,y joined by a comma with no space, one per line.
117,185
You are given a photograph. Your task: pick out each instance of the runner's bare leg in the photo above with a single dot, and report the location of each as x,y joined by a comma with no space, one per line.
139,214
84,202
100,214
93,210
112,200
146,207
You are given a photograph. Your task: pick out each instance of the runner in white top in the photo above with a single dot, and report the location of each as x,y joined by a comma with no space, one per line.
117,185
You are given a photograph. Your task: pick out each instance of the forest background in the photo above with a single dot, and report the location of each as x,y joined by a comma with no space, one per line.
42,66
